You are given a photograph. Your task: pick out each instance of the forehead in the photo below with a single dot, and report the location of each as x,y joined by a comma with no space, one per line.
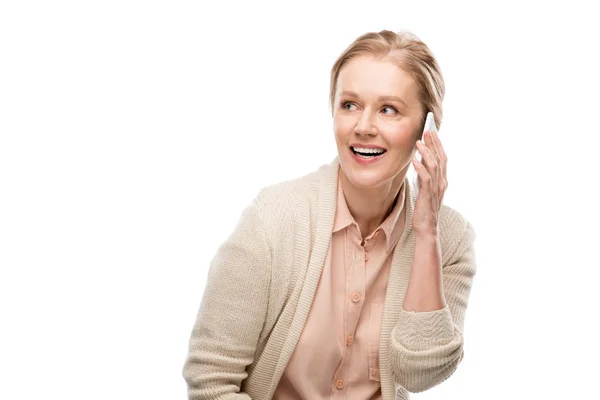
366,76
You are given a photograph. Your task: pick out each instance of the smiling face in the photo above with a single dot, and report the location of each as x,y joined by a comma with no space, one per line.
376,106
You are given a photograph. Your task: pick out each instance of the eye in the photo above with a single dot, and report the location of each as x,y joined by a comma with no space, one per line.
391,110
346,105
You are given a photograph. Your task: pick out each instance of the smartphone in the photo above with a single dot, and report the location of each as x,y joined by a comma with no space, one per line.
429,126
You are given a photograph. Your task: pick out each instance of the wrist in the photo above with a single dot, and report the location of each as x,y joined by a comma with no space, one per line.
427,236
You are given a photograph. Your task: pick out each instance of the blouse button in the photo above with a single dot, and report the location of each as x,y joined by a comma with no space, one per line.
349,341
340,384
355,297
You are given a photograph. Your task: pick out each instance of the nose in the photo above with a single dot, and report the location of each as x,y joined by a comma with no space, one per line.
365,125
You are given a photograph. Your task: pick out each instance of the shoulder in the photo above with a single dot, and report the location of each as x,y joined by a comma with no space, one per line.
455,231
287,194
282,201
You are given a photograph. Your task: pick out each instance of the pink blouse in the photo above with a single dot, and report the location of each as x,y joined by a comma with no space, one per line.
337,355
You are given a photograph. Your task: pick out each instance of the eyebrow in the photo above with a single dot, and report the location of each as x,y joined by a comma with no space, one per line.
381,98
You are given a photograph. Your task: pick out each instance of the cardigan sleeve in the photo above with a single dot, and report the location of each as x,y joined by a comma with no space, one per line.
426,347
231,314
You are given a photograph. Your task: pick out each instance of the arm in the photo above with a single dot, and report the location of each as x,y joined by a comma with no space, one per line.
231,314
427,342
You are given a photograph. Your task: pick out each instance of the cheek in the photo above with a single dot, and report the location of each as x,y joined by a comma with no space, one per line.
342,127
401,138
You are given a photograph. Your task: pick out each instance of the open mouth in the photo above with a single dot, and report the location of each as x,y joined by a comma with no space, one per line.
368,153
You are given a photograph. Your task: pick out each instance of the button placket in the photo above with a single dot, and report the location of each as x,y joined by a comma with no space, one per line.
368,247
354,304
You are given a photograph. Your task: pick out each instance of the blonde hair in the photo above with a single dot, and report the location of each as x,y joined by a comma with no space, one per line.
410,54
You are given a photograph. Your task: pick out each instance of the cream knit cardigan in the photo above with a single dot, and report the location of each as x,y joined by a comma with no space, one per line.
262,281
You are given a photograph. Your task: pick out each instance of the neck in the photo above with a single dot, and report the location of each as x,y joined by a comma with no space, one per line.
370,207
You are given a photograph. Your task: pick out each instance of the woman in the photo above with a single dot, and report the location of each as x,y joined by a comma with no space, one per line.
345,283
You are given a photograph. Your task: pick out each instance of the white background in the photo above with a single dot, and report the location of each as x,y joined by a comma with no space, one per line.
133,134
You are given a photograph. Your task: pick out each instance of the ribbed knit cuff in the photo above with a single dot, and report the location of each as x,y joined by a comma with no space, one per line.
422,330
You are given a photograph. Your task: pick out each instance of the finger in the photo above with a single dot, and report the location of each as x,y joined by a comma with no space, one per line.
429,141
429,161
425,184
429,175
442,153
432,147
442,179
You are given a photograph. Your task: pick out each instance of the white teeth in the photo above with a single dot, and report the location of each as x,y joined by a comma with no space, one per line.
368,151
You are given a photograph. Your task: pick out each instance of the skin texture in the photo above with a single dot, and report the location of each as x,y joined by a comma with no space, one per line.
377,103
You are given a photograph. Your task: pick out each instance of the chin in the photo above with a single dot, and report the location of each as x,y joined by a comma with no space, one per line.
365,178
369,177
